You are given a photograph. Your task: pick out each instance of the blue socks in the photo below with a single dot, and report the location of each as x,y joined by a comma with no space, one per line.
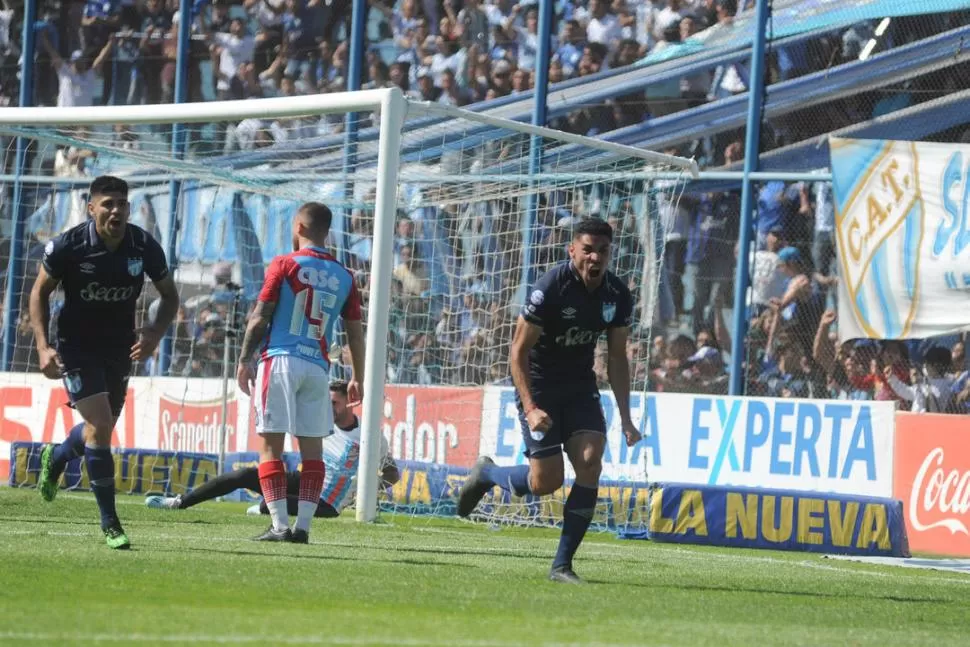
101,473
513,479
71,448
576,515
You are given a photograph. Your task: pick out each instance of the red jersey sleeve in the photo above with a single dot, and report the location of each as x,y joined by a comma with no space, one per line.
351,311
275,274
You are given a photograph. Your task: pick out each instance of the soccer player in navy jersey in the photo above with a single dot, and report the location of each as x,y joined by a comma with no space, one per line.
101,266
551,360
292,324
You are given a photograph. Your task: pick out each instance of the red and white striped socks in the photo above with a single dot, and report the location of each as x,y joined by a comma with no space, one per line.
311,485
272,480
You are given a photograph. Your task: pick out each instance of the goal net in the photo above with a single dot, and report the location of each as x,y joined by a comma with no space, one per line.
446,217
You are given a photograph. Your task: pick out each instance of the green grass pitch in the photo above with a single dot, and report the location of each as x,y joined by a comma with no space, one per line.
195,578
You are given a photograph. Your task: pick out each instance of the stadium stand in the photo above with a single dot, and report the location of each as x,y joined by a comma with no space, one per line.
670,75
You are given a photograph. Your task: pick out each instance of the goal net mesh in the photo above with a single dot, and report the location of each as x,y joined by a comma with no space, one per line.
477,222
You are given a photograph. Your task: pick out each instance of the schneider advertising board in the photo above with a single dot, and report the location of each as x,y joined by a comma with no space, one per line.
806,445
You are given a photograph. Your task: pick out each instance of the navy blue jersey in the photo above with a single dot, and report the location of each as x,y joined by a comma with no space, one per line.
101,287
572,319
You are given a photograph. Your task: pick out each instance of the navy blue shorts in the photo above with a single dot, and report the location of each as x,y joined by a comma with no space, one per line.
88,372
571,412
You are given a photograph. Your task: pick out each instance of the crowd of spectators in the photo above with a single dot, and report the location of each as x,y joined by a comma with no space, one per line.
459,52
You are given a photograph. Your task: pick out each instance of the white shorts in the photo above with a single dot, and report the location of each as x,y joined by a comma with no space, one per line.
292,396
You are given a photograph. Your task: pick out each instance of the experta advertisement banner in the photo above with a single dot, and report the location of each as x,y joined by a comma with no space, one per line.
932,479
901,225
803,445
430,424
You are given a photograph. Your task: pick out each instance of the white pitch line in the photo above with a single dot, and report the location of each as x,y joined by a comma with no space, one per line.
349,641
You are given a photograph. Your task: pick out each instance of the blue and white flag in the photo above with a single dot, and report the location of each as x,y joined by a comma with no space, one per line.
903,238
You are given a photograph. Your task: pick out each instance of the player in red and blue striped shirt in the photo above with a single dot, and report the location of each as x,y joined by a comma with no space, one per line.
292,324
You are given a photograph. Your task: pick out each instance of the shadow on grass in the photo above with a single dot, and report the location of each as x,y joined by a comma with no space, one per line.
47,520
324,558
444,550
768,591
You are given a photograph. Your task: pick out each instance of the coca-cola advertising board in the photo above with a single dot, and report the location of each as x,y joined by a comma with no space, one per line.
932,479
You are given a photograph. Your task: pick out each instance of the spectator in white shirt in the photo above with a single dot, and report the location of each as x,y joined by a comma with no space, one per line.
603,27
76,79
666,18
933,390
235,48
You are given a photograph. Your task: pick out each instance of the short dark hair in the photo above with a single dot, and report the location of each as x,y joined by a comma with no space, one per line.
108,184
339,386
593,227
939,357
318,216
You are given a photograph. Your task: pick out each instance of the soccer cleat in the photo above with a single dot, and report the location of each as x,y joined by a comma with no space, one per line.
275,535
299,536
475,488
164,502
565,575
46,485
116,538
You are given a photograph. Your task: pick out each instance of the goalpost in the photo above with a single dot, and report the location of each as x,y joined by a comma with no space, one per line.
445,215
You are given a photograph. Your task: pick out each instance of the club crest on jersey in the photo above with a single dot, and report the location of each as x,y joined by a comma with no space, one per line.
134,266
609,311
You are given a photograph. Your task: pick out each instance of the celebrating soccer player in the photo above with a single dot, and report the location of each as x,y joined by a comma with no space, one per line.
101,265
302,296
341,458
552,367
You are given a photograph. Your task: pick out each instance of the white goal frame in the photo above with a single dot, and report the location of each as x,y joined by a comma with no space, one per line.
393,108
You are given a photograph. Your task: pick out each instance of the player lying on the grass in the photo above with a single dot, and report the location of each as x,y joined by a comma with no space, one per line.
551,360
101,265
341,458
303,295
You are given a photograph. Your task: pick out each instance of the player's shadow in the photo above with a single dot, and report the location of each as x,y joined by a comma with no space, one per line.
440,550
48,520
768,591
311,556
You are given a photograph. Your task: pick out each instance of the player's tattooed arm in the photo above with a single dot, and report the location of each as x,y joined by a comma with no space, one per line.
256,329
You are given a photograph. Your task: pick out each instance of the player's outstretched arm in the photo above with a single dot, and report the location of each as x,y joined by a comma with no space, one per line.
40,313
355,339
618,370
525,337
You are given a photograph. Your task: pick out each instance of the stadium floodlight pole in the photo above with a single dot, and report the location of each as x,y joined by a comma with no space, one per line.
20,210
539,114
393,109
355,64
179,149
752,151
